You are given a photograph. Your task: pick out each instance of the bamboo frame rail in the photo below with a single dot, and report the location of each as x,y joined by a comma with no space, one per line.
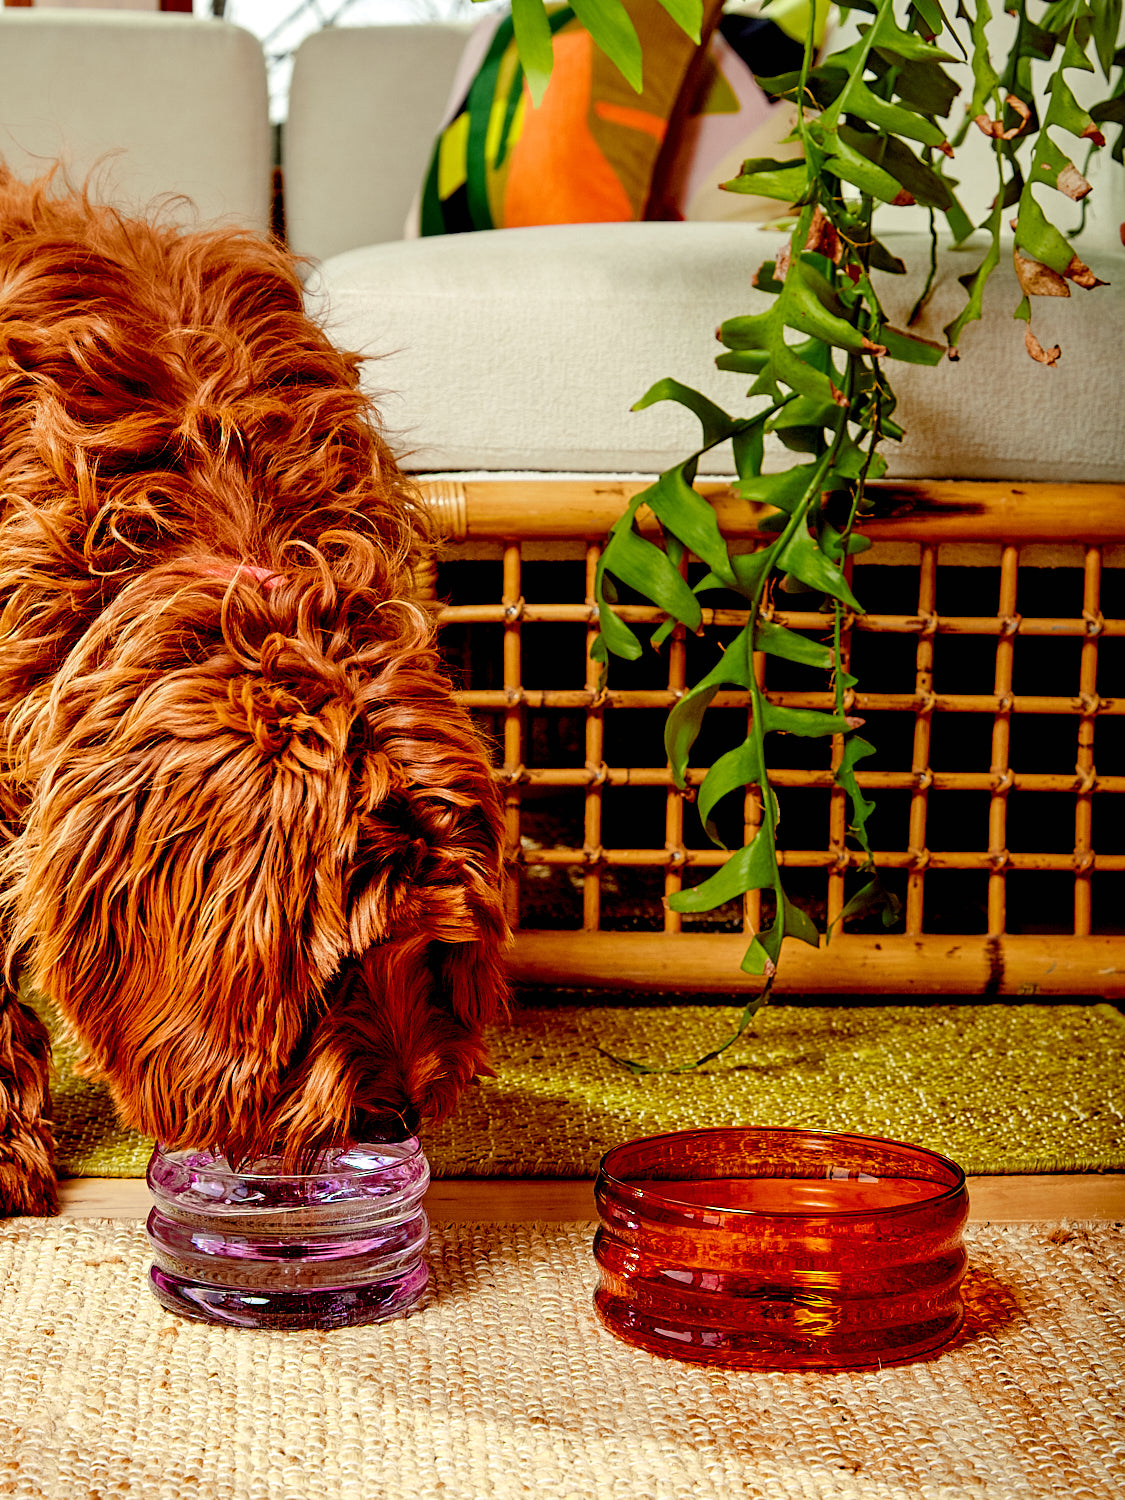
1081,960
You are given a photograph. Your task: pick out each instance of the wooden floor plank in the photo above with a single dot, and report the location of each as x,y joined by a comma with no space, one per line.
996,1200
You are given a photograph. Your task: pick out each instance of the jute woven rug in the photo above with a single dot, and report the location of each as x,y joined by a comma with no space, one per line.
1000,1088
503,1384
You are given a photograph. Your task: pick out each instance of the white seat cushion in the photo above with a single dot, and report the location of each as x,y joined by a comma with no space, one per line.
525,349
159,104
365,104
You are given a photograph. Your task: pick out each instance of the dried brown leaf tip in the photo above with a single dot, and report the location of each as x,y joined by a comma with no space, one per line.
1081,274
823,237
1071,182
1075,270
1038,280
1092,133
995,128
1048,357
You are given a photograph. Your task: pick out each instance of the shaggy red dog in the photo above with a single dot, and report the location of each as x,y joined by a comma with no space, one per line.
250,845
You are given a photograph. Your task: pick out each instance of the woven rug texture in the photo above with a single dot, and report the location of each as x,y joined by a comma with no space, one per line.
1000,1088
502,1383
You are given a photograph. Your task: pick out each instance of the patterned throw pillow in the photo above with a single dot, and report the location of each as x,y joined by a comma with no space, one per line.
728,118
587,154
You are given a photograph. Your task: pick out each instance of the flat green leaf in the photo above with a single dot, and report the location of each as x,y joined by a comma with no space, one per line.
681,729
855,750
687,14
936,21
1107,28
533,44
766,178
986,80
895,161
614,636
857,99
797,923
752,868
749,447
682,726
975,282
924,85
809,723
811,306
1039,237
853,166
643,566
732,772
785,489
1074,52
808,305
750,568
910,348
832,541
1051,165
761,956
777,640
805,416
888,37
764,951
683,511
872,897
609,25
804,559
716,423
743,361
1063,108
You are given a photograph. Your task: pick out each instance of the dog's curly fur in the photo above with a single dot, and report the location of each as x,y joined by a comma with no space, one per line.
250,844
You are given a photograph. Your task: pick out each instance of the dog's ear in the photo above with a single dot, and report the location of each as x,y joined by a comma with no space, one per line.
402,1030
185,932
223,820
179,881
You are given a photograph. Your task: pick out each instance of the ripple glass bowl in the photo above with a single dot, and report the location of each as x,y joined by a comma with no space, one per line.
344,1243
780,1249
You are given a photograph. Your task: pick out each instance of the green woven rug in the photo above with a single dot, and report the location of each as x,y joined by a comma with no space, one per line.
1000,1088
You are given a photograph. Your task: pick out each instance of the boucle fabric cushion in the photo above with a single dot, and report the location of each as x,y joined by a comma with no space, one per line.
157,104
526,349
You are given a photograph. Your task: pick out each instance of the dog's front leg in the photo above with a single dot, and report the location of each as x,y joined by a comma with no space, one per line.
27,1169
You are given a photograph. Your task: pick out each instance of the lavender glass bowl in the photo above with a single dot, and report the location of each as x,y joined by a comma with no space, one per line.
780,1249
344,1243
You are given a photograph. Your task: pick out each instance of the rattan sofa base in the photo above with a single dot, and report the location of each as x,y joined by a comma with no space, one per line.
1077,529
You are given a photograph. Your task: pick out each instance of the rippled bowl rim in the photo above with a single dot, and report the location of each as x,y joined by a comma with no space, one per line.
227,1172
650,1191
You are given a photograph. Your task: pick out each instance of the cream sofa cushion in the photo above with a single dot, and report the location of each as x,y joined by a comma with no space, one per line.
525,349
365,104
157,104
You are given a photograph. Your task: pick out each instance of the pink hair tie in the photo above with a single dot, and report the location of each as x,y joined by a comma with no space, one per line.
265,576
226,571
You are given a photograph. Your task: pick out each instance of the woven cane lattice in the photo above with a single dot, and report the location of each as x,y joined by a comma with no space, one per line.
988,691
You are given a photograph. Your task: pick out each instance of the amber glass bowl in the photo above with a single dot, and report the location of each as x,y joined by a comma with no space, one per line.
780,1249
